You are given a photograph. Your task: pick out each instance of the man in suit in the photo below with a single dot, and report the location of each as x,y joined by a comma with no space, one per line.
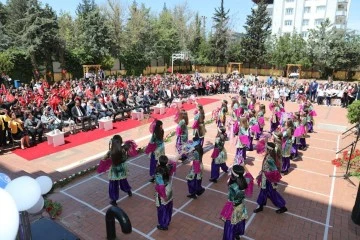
313,90
102,109
79,113
114,108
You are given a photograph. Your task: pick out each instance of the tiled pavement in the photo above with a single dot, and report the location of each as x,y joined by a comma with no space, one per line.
319,206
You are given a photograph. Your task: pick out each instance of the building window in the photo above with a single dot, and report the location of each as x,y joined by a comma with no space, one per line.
307,9
304,34
305,22
320,8
318,21
289,1
288,22
289,11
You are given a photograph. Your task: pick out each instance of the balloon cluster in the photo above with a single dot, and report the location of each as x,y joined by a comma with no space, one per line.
21,194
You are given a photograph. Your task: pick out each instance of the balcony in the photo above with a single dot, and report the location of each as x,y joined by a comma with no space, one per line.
341,13
343,1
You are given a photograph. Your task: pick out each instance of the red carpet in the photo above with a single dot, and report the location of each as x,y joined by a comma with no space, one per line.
71,141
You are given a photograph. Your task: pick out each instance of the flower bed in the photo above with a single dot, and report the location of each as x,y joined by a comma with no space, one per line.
354,162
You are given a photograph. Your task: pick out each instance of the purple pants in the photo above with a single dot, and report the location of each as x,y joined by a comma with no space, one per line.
294,150
240,155
251,147
164,214
258,135
270,192
153,163
114,188
302,143
273,126
231,231
215,169
285,164
194,186
310,127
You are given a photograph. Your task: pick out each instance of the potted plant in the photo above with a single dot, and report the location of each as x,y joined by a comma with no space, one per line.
52,208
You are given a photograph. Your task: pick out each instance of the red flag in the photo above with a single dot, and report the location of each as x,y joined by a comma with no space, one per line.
45,84
3,89
10,97
88,93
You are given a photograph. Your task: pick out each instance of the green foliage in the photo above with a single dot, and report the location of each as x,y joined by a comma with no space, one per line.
257,27
219,42
167,38
287,49
93,43
196,38
353,114
16,64
139,48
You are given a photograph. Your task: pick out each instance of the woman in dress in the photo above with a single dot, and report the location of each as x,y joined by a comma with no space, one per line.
157,139
199,125
182,133
118,170
222,114
268,179
163,193
17,131
194,177
219,156
287,141
242,142
234,213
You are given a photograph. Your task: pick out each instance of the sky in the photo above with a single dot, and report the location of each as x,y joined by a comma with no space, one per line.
239,9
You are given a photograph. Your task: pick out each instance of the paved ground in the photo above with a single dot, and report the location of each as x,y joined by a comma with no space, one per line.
319,205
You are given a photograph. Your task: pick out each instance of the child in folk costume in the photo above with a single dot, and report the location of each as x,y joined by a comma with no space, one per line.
287,141
194,177
268,179
275,117
182,133
157,140
303,122
242,142
253,128
260,119
222,114
219,156
199,125
308,108
295,138
234,213
235,114
163,192
119,169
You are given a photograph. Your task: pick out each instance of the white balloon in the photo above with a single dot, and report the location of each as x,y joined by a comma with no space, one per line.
37,207
25,191
45,184
9,216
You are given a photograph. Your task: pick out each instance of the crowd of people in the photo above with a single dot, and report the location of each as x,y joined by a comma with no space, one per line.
240,123
29,111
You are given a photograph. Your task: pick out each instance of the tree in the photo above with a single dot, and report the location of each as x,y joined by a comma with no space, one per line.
167,38
114,20
257,27
92,43
196,39
138,50
346,52
320,43
219,42
40,35
181,17
15,12
85,7
287,49
15,63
